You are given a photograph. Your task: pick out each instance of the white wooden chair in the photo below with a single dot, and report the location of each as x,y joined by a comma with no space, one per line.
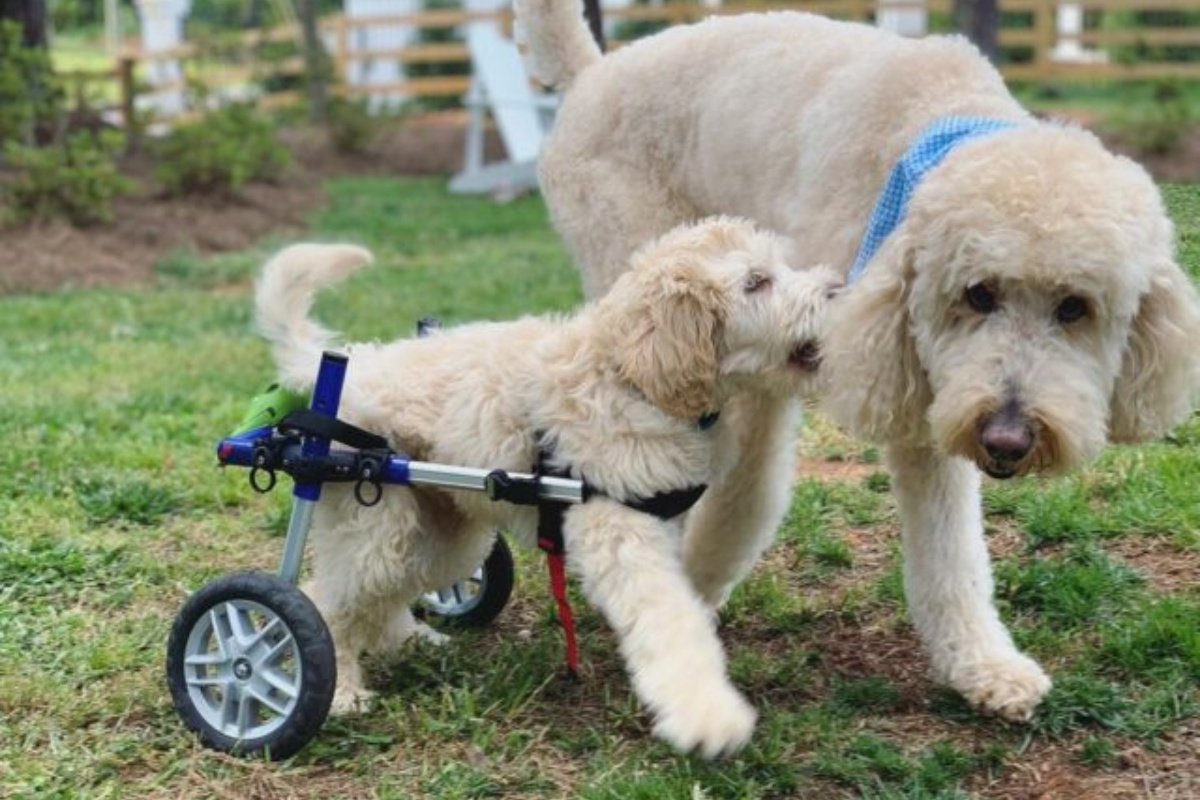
501,87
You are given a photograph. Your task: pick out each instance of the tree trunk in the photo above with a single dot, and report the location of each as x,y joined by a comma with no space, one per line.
591,9
31,14
316,61
979,21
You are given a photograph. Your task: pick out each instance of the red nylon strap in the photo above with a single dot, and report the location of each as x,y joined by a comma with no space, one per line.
558,586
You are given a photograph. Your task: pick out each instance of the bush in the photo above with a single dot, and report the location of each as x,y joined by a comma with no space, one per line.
351,125
1157,125
220,153
29,94
76,179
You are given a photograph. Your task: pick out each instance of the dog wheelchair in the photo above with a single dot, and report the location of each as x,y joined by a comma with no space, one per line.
250,662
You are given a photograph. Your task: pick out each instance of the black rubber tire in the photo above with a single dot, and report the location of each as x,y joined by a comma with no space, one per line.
314,650
499,576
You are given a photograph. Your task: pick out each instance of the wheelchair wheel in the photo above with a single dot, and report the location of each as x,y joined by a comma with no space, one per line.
250,665
479,599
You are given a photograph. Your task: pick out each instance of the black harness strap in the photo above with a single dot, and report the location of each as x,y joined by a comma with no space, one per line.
318,424
668,505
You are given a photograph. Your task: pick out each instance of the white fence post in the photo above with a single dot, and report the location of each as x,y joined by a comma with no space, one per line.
162,29
905,17
378,70
1069,23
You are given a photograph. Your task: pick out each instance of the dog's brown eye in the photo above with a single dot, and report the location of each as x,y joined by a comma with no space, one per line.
981,298
756,281
1071,309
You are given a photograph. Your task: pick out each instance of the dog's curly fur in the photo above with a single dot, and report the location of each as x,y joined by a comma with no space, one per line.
1027,309
705,312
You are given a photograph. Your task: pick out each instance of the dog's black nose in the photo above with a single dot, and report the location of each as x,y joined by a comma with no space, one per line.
806,355
1006,439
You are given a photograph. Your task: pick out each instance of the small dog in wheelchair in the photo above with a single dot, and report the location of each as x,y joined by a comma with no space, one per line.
618,395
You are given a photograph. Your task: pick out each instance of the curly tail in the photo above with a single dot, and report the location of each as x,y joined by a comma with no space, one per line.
558,38
283,299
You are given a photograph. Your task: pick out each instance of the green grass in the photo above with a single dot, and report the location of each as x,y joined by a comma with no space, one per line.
112,510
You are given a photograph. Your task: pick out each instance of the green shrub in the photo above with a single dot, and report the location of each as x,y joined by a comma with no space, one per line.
29,94
220,153
1157,125
351,125
76,179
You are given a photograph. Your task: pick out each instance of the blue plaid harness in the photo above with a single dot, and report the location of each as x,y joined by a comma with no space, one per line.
931,147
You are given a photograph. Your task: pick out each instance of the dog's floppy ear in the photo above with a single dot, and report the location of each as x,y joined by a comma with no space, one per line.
668,343
1160,374
877,387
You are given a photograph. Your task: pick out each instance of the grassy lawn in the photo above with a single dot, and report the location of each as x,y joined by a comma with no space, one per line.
112,510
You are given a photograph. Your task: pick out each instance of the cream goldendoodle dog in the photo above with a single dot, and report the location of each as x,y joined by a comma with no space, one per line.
1019,304
615,392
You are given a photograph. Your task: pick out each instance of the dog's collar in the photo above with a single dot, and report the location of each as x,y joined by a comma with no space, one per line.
930,148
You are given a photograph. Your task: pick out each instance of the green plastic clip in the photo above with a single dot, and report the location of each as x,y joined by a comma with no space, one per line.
269,407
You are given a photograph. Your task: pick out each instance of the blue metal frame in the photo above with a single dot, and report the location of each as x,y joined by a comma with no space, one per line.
240,450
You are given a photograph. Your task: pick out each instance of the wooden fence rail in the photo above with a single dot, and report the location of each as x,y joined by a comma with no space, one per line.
1120,49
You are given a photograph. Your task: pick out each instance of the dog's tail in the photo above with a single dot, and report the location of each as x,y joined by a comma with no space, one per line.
284,297
558,38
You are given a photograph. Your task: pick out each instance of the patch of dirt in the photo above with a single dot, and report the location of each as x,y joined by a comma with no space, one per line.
1053,771
1168,567
148,227
824,469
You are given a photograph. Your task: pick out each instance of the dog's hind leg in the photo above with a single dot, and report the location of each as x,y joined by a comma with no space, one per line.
603,210
737,518
362,570
632,571
948,583
441,557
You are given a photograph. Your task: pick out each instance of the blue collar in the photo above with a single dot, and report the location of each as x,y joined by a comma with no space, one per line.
930,148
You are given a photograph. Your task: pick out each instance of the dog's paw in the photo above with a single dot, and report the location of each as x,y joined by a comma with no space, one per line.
713,723
350,700
424,633
1009,687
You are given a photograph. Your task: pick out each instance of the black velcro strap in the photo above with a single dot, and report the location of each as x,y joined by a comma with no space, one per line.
668,505
315,423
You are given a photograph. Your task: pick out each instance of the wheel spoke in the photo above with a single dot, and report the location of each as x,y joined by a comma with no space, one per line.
245,713
229,705
205,659
206,680
266,631
220,632
277,708
240,626
280,681
277,649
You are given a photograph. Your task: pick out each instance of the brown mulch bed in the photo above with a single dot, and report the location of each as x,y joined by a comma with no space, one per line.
149,226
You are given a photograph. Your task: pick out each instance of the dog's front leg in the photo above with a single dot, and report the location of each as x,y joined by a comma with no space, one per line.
736,519
632,571
948,583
